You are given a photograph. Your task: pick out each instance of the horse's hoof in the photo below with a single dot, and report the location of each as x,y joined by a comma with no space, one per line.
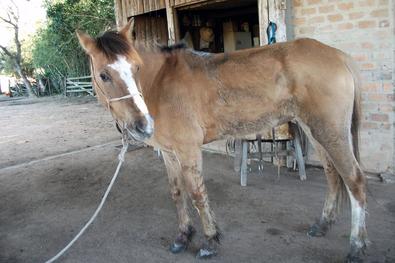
206,253
317,230
209,248
176,248
353,259
182,241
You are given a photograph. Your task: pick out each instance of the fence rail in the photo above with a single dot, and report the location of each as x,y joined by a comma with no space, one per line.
79,85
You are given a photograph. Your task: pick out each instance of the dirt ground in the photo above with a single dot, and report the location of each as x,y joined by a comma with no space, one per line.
57,157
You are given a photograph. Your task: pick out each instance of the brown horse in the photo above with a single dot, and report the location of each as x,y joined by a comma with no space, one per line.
177,99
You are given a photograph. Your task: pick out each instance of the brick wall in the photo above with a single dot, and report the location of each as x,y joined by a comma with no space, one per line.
365,30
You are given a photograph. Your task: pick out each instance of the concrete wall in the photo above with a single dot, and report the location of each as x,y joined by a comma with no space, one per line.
365,30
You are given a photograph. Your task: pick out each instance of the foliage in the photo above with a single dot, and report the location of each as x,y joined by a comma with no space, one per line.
56,51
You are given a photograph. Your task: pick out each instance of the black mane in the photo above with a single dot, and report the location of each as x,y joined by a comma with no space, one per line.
111,43
171,48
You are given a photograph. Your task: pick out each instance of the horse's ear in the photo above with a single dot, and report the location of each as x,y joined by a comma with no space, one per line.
127,30
86,41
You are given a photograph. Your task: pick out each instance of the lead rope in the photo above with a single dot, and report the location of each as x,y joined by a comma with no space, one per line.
121,158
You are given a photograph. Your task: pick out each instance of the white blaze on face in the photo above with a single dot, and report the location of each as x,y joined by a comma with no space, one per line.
124,69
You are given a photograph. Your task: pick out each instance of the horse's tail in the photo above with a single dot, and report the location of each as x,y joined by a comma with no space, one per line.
356,114
342,196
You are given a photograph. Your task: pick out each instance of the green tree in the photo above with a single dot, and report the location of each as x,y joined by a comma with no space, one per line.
56,51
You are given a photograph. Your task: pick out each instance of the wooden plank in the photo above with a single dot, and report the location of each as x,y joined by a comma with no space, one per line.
118,12
170,23
263,21
162,4
83,77
124,13
146,4
140,6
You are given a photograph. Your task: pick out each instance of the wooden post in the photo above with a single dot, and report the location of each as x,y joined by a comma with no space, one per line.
171,15
244,166
263,21
277,15
238,155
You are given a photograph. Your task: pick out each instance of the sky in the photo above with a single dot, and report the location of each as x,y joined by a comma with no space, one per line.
32,14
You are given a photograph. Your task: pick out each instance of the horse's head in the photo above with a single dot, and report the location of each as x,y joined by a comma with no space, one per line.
115,66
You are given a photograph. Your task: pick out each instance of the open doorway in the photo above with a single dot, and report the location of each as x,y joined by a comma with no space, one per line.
220,26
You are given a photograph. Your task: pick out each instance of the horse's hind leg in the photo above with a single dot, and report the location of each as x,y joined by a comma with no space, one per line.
334,196
338,145
191,163
179,196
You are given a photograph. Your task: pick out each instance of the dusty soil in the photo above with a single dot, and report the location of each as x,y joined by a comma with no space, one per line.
53,173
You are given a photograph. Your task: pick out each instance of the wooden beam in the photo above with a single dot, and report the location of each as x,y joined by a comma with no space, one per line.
170,15
263,21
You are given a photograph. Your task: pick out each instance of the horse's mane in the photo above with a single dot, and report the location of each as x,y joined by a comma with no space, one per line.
172,48
111,43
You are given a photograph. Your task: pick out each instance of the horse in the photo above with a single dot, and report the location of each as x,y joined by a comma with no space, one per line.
176,99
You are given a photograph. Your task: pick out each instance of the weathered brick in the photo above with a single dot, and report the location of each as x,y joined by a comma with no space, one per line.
367,24
307,30
326,28
335,18
369,125
367,45
388,87
345,6
371,87
380,117
369,107
379,13
367,66
345,26
297,3
309,11
326,9
367,3
385,126
316,19
360,57
386,108
299,21
356,15
383,2
384,23
377,97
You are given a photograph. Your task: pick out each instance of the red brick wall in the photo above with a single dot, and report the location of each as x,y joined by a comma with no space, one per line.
365,30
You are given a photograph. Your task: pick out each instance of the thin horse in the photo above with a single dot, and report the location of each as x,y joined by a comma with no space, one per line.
177,99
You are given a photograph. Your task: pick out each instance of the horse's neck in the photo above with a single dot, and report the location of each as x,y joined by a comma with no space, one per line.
153,62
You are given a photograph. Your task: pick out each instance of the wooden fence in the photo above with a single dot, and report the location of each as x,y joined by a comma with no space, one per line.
79,85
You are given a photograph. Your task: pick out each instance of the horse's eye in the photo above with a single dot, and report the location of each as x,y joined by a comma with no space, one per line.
105,77
137,68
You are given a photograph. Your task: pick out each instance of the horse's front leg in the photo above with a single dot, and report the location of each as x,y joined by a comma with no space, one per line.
180,197
191,165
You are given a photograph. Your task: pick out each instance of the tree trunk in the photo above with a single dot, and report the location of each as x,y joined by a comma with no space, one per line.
25,81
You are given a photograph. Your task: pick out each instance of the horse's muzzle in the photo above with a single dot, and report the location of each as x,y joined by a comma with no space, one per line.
142,128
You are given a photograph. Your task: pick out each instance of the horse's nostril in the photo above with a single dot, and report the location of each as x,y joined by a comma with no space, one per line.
140,125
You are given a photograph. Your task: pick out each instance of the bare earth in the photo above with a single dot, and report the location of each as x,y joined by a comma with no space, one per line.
57,157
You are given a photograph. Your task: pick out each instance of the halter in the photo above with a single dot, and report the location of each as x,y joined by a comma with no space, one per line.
108,98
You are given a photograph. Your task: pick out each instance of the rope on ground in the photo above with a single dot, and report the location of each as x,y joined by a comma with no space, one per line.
121,158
